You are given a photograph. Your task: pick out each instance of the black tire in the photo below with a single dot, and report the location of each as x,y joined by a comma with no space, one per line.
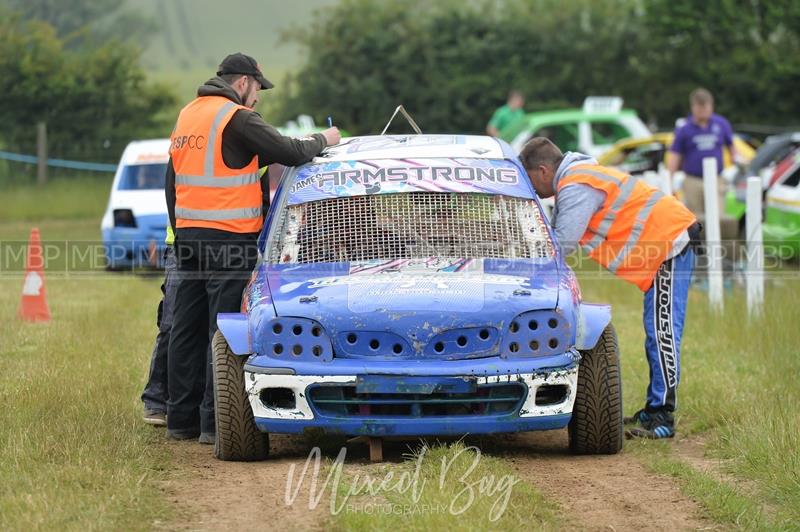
238,439
596,425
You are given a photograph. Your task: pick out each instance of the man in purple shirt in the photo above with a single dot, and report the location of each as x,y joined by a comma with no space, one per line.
703,135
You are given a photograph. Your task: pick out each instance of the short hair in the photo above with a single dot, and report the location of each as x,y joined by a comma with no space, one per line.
701,96
230,79
515,93
540,151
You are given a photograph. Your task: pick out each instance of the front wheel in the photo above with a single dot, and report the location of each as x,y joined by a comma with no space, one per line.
238,438
596,425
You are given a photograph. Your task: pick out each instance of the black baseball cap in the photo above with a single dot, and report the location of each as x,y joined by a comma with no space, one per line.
240,63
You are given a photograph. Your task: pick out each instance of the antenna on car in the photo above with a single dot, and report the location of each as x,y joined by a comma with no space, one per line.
407,116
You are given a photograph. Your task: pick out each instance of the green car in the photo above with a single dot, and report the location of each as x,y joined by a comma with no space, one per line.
592,130
782,209
777,162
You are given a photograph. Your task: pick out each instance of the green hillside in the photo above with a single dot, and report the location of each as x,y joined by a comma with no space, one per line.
194,35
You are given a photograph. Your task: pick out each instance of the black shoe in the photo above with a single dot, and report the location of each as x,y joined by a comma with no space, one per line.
652,424
639,417
207,438
186,434
155,417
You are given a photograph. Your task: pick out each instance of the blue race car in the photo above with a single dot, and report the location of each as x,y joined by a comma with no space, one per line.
411,286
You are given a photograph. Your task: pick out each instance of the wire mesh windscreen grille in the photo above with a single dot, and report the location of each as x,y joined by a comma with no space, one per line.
411,226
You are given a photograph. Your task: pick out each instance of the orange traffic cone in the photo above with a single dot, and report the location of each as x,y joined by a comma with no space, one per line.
34,299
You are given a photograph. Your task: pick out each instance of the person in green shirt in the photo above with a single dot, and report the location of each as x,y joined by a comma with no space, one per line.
506,114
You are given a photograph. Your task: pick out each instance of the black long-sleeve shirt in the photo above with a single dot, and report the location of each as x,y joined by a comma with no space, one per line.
246,136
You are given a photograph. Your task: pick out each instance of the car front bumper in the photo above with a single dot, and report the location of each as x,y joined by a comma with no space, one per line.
533,411
133,248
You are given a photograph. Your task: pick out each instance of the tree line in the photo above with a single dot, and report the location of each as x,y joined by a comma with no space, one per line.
75,65
451,62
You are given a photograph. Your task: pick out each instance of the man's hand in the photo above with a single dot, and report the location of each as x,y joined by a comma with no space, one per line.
332,136
673,162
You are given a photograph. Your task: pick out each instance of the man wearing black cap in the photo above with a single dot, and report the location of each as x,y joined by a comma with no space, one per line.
216,199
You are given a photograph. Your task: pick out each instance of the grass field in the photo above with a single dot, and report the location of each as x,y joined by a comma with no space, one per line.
738,387
80,199
74,454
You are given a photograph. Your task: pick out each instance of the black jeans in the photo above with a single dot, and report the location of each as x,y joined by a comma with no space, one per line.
213,270
155,395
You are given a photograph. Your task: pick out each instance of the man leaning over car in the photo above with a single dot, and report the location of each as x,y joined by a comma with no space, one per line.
216,199
639,234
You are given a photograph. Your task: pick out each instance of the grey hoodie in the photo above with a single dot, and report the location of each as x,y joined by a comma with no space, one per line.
575,204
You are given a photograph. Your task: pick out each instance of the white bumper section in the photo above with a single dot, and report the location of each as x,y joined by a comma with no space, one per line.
256,382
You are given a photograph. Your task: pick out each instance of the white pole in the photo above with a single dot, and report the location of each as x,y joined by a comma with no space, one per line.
713,239
755,249
666,179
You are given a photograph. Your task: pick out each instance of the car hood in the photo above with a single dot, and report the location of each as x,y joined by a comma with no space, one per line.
413,298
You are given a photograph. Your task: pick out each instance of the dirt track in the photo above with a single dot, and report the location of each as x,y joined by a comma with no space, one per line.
603,492
595,493
215,495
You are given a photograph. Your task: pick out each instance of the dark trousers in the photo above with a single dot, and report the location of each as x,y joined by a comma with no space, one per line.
213,270
154,395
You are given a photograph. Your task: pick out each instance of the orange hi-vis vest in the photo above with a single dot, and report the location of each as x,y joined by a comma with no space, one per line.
633,232
207,192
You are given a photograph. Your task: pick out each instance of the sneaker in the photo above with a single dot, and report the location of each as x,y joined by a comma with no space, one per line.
155,417
639,417
207,438
653,425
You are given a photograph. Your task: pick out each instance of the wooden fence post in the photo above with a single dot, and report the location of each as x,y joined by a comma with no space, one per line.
41,153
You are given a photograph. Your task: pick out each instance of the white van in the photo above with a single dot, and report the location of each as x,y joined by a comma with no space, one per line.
135,221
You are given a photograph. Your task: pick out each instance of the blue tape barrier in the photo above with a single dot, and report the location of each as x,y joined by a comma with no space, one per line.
59,163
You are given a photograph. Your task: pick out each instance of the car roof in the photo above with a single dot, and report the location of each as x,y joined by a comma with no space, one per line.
146,152
376,147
